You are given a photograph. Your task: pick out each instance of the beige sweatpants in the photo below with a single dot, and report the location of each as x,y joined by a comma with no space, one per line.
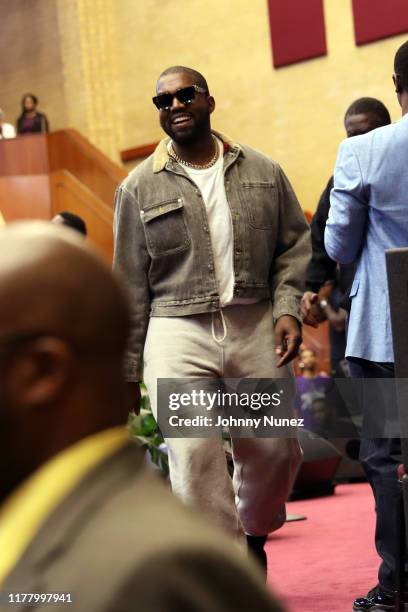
240,346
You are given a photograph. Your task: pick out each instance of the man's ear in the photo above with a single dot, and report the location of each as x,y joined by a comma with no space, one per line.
38,372
211,104
397,82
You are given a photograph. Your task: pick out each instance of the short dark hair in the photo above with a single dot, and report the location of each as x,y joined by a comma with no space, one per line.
401,65
74,221
370,105
199,79
29,95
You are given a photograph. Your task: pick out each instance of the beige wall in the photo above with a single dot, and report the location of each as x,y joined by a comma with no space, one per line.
103,57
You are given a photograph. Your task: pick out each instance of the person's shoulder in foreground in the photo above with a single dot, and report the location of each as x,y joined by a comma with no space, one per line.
121,540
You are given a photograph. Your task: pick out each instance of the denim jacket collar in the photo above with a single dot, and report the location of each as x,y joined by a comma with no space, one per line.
161,154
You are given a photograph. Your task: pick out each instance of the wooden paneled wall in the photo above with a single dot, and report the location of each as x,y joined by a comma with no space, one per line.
25,155
25,197
24,182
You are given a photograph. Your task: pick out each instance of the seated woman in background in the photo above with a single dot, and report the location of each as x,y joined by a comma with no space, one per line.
31,121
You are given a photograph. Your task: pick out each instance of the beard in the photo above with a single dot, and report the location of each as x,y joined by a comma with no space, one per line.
192,134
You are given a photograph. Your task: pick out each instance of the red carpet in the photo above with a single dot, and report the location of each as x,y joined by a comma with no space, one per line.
323,563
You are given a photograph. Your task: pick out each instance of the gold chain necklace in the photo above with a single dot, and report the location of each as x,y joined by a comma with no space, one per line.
190,164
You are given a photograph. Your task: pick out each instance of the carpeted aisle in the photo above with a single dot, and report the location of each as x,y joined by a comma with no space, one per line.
323,563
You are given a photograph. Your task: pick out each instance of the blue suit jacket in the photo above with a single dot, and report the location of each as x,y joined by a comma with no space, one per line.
368,215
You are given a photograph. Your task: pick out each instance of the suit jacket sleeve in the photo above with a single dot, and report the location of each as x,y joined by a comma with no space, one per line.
346,224
131,262
321,268
195,580
292,254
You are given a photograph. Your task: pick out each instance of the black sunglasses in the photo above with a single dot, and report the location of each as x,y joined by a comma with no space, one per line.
185,95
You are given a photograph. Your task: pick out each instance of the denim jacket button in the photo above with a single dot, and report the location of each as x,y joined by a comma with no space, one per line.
210,267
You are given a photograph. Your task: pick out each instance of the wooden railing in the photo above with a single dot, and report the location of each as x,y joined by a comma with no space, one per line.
68,193
41,175
69,150
135,153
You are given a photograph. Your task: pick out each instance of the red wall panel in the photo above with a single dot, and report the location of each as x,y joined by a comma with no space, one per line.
376,19
297,30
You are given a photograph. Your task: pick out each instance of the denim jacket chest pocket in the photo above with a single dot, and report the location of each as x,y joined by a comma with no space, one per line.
165,227
260,200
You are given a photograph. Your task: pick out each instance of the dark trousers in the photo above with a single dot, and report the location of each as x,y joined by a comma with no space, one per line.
380,458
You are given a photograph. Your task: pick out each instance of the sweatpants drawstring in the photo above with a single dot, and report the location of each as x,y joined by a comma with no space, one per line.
224,326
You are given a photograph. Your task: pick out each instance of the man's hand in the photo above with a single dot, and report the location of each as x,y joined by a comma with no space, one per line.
310,310
288,338
133,396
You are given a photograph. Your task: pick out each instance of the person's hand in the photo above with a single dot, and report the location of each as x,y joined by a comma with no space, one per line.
133,396
310,310
288,338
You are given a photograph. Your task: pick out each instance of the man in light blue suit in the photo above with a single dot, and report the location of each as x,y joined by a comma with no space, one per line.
368,215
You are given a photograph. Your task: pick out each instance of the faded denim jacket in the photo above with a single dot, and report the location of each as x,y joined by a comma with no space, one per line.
163,247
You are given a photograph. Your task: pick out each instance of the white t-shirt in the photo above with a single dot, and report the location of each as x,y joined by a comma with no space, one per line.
210,182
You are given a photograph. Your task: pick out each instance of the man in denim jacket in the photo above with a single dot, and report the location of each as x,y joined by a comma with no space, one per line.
213,247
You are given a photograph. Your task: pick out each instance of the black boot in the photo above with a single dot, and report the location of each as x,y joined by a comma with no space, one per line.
256,547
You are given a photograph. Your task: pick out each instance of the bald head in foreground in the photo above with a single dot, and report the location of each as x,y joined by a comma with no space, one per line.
79,514
63,328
